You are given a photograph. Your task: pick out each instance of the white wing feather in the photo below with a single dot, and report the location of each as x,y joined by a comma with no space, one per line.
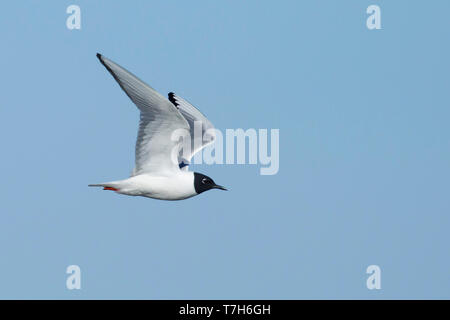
158,120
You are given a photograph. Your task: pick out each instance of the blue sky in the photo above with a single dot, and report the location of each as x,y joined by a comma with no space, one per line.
364,150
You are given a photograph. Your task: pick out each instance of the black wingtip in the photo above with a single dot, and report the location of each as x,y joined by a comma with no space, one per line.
100,58
172,99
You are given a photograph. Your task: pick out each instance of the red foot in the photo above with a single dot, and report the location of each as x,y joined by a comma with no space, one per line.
110,188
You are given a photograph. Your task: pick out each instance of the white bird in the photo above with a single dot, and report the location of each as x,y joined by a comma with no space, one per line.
161,163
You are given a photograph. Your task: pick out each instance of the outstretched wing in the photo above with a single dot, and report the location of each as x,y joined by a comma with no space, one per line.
201,129
155,150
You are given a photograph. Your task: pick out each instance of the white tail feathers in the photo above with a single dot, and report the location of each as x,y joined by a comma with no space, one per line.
106,186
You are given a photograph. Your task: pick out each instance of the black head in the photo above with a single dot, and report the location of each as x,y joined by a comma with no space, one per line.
204,183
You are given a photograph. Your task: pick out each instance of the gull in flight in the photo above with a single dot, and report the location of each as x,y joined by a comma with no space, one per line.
161,164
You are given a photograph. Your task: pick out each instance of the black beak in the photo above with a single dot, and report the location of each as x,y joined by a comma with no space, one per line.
219,187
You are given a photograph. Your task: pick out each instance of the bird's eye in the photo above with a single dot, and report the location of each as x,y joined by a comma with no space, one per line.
205,181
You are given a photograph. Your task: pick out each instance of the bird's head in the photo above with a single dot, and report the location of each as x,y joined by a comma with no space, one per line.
204,183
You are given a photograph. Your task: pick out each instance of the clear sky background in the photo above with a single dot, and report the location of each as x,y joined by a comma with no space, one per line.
364,150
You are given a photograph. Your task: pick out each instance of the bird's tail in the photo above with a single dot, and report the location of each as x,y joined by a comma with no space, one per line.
106,186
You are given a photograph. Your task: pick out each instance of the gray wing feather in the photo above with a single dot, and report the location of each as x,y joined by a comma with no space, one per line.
158,120
205,128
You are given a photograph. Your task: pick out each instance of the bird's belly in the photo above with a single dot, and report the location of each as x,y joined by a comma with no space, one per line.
163,188
167,196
